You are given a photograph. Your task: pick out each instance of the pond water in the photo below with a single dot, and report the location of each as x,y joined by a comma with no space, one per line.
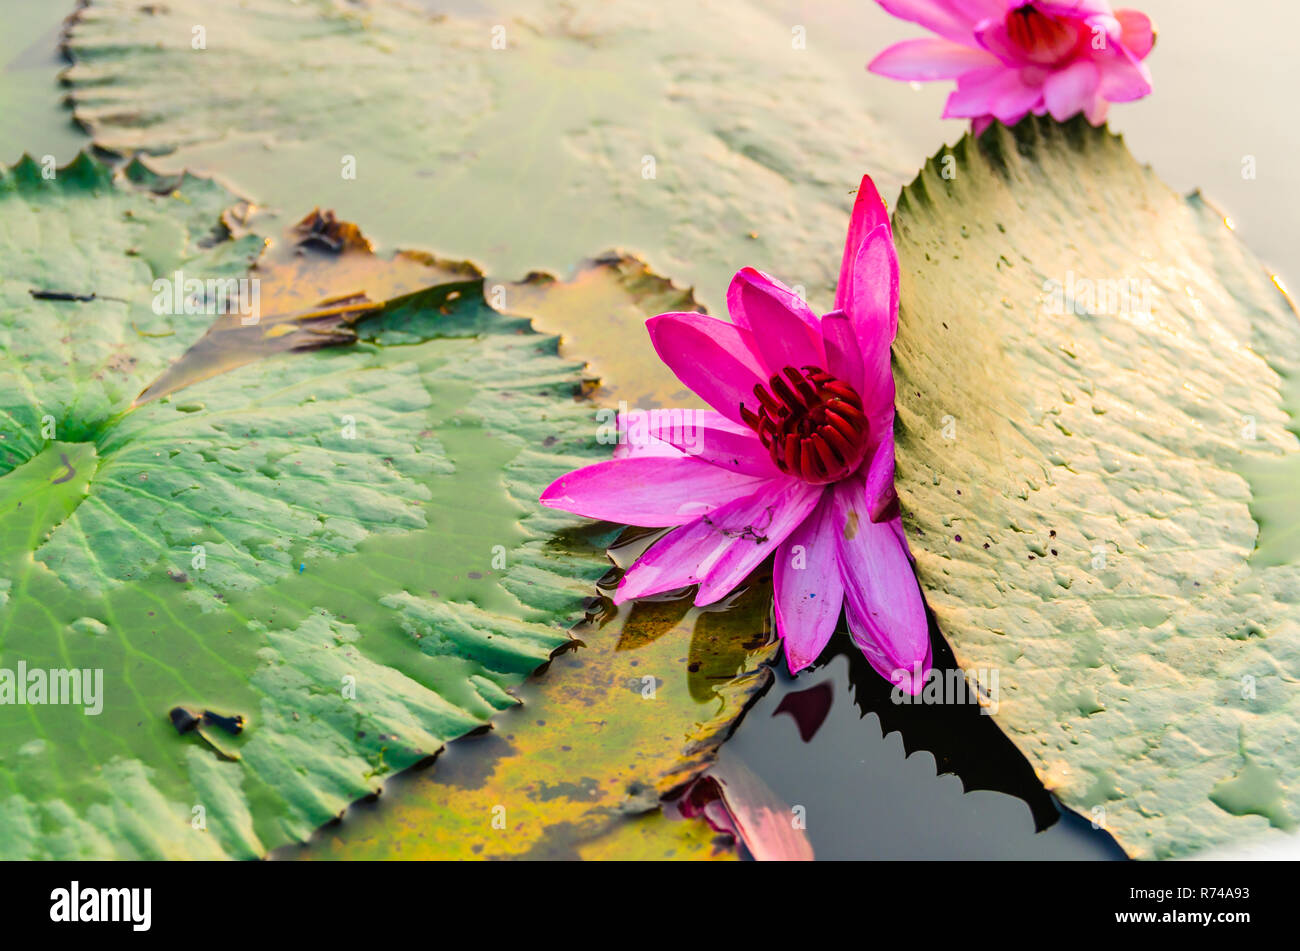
878,779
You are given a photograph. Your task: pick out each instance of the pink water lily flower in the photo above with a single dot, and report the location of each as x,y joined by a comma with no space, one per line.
1014,57
795,460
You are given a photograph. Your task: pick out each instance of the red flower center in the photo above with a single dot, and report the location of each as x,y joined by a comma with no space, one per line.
1040,37
812,424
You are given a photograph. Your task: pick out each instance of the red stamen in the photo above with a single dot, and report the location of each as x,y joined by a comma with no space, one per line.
1041,37
842,425
782,389
812,424
829,462
792,457
836,441
852,415
806,389
843,391
769,403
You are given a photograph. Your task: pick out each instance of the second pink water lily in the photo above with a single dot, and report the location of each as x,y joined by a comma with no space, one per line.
1014,57
795,460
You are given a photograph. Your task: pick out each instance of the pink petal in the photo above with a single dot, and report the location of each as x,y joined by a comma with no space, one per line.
1011,106
1137,32
1080,9
843,355
754,532
1103,23
1123,77
944,17
646,447
1097,110
1069,91
928,59
711,437
647,490
979,124
879,487
994,37
996,91
878,404
702,799
761,820
872,303
869,213
736,802
868,293
715,359
973,11
692,553
784,329
882,600
636,439
808,589
677,560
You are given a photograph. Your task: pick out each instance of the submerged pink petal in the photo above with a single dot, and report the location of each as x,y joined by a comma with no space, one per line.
882,599
737,803
928,59
761,819
1069,91
808,589
715,359
649,490
784,329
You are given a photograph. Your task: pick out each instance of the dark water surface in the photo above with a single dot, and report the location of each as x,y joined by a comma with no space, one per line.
881,780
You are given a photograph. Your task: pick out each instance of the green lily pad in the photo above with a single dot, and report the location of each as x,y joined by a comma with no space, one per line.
1098,392
342,547
522,134
577,771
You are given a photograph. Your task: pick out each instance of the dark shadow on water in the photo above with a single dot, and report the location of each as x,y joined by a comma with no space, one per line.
878,779
963,740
